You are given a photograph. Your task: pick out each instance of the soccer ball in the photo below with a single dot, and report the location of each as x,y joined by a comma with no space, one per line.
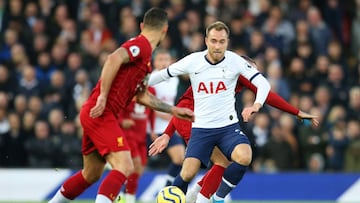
170,194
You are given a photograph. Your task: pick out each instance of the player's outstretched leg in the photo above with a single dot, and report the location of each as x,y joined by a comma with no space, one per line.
80,181
241,156
232,176
211,182
71,188
122,166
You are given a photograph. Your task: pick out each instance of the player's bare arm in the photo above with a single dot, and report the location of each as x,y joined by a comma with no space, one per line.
150,100
108,73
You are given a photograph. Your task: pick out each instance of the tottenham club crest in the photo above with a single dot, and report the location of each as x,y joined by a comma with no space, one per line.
135,50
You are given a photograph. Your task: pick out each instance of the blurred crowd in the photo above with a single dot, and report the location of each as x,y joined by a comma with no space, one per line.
52,51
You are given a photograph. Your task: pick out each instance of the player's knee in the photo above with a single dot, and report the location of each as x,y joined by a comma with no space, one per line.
177,160
126,169
187,176
91,176
176,154
242,154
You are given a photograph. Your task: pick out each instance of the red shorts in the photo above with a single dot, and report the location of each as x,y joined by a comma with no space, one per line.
102,133
138,149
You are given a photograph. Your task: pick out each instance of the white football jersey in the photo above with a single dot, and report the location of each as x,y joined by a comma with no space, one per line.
165,91
213,86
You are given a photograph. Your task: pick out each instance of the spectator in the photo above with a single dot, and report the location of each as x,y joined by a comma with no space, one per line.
316,163
55,118
283,27
69,146
278,151
44,69
128,27
259,133
337,84
35,106
338,143
40,43
4,122
320,71
12,149
81,89
278,84
28,122
319,31
239,36
8,81
352,156
257,45
28,83
322,98
20,104
41,148
312,139
353,107
11,37
302,36
288,128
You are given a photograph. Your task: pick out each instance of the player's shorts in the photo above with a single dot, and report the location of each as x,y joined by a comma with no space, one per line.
102,133
203,141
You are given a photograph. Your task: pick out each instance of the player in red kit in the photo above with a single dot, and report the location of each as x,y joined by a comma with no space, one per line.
134,121
123,76
211,180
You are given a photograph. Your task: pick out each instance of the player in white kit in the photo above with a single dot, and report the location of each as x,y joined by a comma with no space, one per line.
166,91
213,75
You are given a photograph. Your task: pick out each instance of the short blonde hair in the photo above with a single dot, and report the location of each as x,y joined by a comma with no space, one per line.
218,25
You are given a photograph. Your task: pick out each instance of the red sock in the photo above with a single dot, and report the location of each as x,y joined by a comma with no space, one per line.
132,183
111,185
212,180
74,186
201,182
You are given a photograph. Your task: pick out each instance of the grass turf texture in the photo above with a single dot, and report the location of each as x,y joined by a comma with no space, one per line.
280,201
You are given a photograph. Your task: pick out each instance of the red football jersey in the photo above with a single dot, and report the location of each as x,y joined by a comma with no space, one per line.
141,115
130,77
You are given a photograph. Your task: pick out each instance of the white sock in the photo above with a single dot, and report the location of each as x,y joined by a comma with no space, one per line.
129,198
192,193
196,188
59,198
102,199
202,199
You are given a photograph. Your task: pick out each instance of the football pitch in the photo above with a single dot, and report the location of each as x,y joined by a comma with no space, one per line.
252,201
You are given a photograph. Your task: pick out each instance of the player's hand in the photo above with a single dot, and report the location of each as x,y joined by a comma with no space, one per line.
159,144
248,111
99,108
183,113
302,116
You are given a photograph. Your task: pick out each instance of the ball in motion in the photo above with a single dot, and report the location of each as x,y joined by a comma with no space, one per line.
170,194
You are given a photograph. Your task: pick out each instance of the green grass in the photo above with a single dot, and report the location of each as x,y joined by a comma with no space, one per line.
92,201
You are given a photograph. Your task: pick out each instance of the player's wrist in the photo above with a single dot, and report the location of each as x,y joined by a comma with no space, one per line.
257,106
